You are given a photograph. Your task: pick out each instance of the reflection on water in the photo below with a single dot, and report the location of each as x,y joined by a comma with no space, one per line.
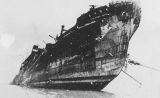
76,94
12,91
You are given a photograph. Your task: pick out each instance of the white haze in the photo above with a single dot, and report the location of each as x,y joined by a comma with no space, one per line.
27,22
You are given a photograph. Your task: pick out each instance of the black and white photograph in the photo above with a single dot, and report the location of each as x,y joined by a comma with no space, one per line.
79,49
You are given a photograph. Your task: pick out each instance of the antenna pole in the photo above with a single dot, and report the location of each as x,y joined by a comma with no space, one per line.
133,78
44,42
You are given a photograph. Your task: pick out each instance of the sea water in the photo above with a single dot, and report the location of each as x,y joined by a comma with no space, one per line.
13,91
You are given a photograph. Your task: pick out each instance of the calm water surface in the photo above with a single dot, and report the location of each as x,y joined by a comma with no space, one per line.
12,91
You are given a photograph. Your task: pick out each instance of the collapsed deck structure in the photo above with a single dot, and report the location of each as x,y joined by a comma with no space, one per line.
89,55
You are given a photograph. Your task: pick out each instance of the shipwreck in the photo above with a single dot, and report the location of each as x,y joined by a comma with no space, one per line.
87,56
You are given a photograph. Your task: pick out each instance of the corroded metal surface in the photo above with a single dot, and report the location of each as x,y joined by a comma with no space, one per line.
96,46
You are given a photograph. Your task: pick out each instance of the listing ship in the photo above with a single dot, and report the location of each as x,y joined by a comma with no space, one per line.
87,56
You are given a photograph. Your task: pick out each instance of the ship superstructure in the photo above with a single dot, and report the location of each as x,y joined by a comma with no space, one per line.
87,56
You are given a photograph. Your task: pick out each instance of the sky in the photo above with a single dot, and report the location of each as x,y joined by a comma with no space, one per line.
24,23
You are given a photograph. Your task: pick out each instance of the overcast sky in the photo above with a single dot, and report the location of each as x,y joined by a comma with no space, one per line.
27,22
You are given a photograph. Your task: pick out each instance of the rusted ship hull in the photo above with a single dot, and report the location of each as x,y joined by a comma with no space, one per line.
89,55
81,83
